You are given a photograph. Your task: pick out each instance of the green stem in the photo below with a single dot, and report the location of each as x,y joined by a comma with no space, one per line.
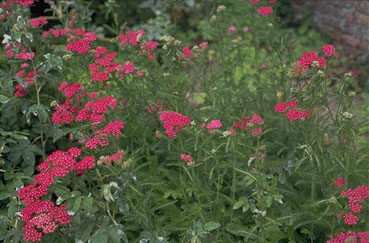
38,89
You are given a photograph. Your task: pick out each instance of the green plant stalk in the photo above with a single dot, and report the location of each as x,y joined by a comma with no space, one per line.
38,89
233,191
312,221
261,221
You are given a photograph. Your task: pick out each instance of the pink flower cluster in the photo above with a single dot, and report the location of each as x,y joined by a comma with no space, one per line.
36,22
309,57
328,50
57,33
131,37
187,53
92,110
41,217
339,182
350,236
246,123
27,76
265,11
187,158
293,111
354,196
148,48
173,122
114,157
81,46
231,30
102,66
213,126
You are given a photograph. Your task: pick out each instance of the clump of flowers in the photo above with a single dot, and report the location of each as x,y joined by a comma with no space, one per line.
148,48
308,58
173,122
213,126
246,123
36,22
116,158
328,50
131,37
265,11
354,196
41,217
350,236
293,111
297,70
187,53
339,182
188,159
231,30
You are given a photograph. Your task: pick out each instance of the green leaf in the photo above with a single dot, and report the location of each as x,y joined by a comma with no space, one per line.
114,236
55,133
42,112
238,204
3,99
99,237
29,157
17,136
77,204
4,195
28,171
87,204
12,208
211,226
122,206
84,231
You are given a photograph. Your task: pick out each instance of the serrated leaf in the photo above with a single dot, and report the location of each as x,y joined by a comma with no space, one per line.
211,226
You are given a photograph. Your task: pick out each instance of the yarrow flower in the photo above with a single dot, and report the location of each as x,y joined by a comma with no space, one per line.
173,122
350,236
188,159
339,182
38,21
203,45
265,11
187,53
293,112
231,30
328,50
308,58
132,37
213,126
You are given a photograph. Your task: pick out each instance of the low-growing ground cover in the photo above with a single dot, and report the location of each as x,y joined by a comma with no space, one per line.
246,136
